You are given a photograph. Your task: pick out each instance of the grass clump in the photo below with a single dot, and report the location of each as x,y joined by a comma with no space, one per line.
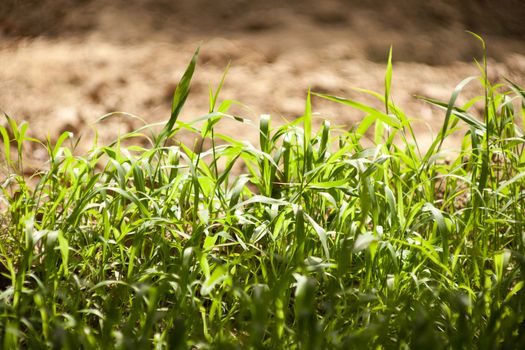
318,242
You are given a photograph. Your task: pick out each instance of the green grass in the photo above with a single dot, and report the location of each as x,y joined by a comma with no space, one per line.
317,242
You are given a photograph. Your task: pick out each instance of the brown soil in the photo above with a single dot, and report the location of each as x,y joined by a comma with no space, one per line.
65,63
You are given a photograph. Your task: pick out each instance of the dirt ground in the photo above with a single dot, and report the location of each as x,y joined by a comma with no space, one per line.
65,63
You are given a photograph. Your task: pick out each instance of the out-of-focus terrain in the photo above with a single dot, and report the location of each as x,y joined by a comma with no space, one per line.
65,63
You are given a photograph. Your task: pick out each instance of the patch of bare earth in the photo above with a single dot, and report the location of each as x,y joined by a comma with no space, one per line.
101,56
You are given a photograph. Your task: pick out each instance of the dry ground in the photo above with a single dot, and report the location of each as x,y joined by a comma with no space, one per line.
65,63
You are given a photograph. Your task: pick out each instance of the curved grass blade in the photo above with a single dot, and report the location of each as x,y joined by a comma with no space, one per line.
389,120
179,97
451,110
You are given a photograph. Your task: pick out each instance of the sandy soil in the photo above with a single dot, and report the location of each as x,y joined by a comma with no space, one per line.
65,65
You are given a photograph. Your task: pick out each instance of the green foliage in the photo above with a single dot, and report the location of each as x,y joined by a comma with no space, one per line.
320,242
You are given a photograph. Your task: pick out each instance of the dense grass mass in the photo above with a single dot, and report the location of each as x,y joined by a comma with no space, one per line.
312,241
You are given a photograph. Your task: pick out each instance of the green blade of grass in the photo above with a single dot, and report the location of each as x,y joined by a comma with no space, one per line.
388,80
372,112
179,97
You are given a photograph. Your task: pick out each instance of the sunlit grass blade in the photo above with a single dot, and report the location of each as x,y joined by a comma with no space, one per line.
179,97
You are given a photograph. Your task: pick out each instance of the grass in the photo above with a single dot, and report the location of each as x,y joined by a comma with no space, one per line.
318,241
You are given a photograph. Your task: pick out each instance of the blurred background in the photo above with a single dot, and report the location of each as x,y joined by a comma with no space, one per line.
64,63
